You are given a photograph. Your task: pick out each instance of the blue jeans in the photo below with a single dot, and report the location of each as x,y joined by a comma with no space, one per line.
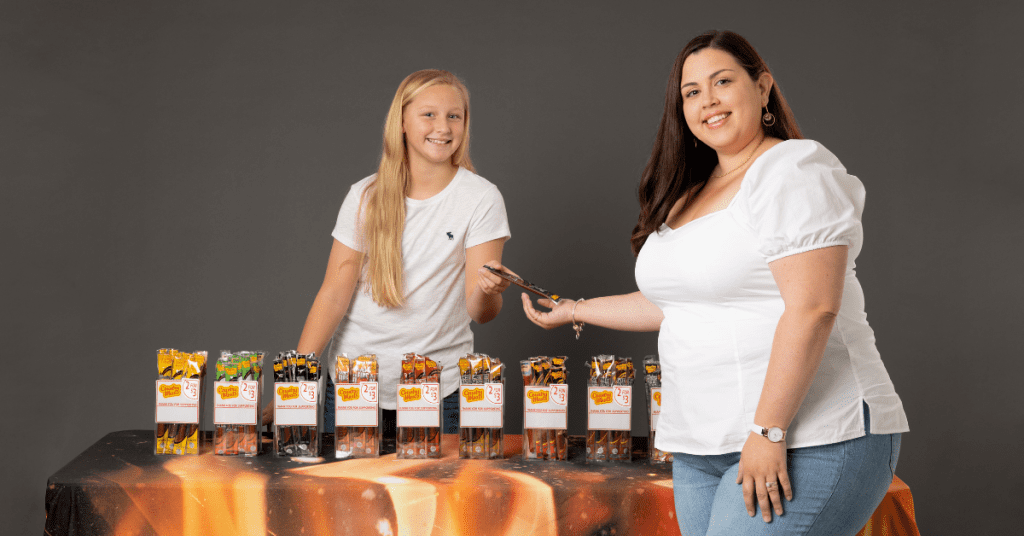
836,488
450,412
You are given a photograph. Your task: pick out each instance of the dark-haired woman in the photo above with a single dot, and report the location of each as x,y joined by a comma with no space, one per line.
774,396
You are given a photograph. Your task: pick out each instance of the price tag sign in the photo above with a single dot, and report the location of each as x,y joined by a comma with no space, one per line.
235,402
295,403
481,406
546,406
655,407
419,404
608,408
177,401
355,404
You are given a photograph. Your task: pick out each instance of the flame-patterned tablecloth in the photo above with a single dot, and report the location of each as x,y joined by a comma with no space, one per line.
118,486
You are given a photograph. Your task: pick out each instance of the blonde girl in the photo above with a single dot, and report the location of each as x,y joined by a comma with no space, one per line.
405,273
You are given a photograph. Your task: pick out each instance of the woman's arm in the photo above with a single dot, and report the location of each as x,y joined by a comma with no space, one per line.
483,289
625,312
811,285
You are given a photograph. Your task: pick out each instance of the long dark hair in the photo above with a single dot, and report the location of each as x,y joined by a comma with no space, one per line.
676,165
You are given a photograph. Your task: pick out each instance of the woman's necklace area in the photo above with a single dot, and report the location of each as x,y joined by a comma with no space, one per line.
744,162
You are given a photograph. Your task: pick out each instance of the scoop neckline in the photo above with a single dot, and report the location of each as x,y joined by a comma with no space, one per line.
667,229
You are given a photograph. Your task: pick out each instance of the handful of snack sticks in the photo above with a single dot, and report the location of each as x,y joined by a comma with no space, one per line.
482,443
356,441
419,442
174,365
542,443
292,367
609,445
652,377
235,439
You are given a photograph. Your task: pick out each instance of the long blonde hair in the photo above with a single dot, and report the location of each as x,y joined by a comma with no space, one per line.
383,203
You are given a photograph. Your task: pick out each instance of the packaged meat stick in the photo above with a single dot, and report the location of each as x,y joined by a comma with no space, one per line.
481,402
609,407
652,379
545,403
357,411
419,408
179,401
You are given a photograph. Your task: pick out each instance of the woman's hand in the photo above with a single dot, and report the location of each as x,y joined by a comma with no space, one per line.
559,315
762,471
489,283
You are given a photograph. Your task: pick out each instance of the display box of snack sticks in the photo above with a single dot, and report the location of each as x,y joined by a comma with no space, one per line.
356,407
481,407
180,393
419,408
237,393
609,407
545,408
298,405
652,377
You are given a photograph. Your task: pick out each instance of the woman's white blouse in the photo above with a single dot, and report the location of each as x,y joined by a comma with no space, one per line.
711,279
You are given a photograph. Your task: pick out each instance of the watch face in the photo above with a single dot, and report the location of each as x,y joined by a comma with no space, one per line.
775,435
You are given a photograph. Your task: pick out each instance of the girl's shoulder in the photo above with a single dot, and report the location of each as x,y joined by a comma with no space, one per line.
470,180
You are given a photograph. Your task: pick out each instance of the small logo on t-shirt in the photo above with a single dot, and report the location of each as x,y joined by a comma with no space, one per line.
450,235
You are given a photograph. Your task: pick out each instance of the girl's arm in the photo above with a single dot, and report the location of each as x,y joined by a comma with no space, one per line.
332,300
811,284
329,306
625,312
483,289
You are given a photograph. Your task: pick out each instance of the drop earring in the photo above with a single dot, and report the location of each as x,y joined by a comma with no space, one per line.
767,119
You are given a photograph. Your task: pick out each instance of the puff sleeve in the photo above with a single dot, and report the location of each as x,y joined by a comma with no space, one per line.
801,198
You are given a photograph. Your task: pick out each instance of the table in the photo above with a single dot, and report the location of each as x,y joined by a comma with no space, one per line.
118,486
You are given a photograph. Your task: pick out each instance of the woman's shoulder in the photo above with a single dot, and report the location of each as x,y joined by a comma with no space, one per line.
800,153
791,161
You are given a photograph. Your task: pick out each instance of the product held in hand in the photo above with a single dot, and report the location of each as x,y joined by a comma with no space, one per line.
481,407
545,408
179,401
237,392
523,283
356,407
609,402
298,404
419,408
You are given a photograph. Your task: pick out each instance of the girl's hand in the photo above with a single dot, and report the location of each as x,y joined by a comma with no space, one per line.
268,412
559,315
761,463
490,284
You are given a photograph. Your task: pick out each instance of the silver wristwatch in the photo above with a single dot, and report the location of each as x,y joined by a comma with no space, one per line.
774,434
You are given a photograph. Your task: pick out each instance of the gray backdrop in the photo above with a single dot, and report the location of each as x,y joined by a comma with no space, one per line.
171,173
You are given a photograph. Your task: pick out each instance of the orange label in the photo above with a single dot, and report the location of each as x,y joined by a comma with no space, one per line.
410,394
348,394
657,397
538,397
288,393
227,391
473,395
601,397
170,390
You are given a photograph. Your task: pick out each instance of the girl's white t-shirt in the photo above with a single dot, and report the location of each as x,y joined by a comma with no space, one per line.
433,321
711,279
